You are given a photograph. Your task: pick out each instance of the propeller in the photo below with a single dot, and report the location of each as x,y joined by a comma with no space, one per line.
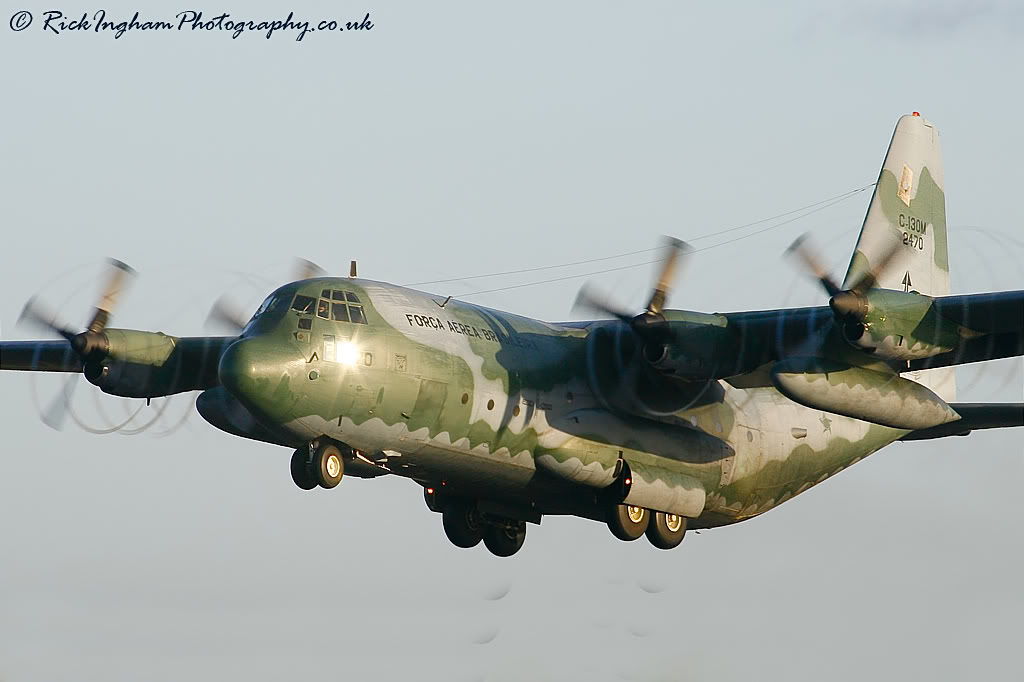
650,324
91,342
88,345
228,316
849,306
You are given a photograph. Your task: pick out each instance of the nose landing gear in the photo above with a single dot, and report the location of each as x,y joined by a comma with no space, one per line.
320,463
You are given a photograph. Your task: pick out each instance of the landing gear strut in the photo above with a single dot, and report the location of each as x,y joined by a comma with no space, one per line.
317,464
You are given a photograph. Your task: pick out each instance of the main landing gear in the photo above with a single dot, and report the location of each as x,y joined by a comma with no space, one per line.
663,530
320,463
466,526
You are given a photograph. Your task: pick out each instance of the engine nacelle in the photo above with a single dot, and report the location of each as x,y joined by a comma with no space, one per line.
139,364
895,325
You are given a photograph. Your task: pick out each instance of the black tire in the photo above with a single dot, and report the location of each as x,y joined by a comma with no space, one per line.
302,472
666,531
328,465
628,522
504,540
462,523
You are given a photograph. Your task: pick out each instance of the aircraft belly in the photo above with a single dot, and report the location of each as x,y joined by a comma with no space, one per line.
799,448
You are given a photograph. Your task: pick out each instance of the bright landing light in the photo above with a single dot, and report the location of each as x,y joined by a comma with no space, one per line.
348,354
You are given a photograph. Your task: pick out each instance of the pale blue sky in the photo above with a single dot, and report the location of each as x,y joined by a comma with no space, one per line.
456,139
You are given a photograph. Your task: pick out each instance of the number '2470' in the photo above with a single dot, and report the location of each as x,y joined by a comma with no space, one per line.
913,241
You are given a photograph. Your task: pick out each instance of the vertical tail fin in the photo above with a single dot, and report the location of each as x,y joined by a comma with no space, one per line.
909,205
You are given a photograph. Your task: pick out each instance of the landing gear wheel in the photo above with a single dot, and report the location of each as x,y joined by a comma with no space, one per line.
462,523
627,522
505,540
666,530
302,473
328,465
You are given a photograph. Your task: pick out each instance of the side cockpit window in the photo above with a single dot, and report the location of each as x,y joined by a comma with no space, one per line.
304,304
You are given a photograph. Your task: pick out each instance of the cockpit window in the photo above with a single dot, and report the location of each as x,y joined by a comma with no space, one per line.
356,313
340,306
266,304
304,304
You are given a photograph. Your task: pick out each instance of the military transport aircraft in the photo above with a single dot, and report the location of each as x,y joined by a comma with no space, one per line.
652,423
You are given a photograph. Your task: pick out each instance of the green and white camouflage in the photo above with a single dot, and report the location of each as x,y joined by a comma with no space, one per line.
654,424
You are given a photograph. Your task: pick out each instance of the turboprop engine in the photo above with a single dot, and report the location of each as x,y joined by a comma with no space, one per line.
658,362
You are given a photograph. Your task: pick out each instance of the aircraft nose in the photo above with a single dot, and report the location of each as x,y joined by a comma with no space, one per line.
257,373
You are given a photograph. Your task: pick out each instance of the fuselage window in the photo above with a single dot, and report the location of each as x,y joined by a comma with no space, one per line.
338,295
323,309
356,313
303,304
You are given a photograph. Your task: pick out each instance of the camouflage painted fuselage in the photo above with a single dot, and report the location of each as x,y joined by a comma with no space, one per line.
526,413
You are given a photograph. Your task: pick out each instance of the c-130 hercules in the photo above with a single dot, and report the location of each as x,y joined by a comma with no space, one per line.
653,423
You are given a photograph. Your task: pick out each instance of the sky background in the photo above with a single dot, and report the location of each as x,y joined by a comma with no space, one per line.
460,139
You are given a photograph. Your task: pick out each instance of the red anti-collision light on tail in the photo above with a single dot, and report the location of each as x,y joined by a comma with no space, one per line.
916,113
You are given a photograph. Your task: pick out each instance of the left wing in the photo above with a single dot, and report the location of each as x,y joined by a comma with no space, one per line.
133,364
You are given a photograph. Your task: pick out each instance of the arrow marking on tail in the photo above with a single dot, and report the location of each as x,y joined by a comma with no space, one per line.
906,281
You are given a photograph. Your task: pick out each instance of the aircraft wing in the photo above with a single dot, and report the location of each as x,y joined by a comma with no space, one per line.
976,327
136,364
39,356
992,327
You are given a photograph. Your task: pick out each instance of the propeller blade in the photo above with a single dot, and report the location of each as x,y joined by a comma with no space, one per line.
808,257
676,248
588,300
56,413
869,280
120,275
307,269
37,315
225,316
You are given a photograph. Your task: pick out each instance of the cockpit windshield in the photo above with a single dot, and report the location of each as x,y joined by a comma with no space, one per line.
339,306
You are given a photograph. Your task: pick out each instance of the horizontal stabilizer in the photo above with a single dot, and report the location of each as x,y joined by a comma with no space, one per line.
973,417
